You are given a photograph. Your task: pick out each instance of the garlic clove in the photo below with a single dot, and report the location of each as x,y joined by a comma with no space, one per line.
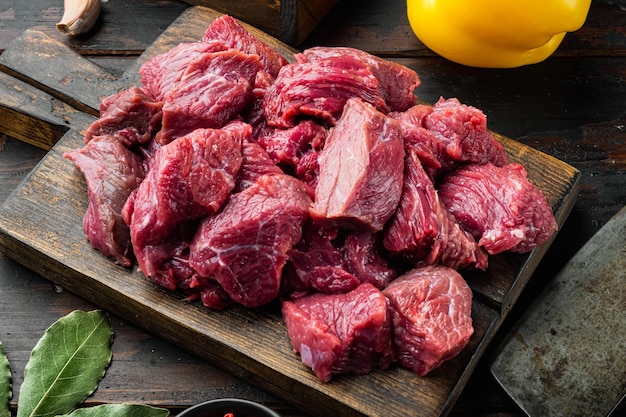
79,16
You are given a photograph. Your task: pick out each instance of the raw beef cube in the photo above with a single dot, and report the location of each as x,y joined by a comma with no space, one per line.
456,247
190,178
256,162
422,231
427,148
345,333
319,90
229,31
131,115
244,246
307,170
360,170
414,226
212,90
161,73
462,131
365,261
396,83
287,146
112,172
498,206
414,115
431,309
317,264
331,261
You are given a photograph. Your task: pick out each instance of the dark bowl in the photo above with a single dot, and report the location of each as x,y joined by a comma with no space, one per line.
223,406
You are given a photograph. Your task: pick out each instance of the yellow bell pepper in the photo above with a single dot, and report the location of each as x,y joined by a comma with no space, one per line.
495,33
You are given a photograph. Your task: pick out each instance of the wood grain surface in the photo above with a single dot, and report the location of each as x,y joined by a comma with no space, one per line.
41,227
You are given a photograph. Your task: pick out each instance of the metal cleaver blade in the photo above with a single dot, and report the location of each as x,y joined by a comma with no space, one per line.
566,355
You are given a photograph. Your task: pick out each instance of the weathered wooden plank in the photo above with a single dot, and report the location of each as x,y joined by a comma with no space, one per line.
42,61
35,117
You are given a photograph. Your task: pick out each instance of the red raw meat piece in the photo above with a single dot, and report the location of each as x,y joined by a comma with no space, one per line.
244,246
396,83
189,178
414,115
421,230
256,162
333,262
229,31
360,170
287,146
499,206
213,89
344,333
161,73
364,259
131,115
431,309
463,135
319,90
112,172
317,264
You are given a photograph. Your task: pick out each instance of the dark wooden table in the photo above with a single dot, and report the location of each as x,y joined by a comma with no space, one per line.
572,106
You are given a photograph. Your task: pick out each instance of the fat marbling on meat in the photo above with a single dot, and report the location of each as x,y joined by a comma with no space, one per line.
131,115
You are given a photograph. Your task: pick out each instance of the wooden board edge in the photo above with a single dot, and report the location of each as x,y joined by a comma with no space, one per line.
66,75
35,117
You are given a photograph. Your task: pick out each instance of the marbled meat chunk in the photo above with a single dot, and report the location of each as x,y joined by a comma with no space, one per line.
256,162
189,178
396,83
131,115
360,170
319,90
499,206
431,312
112,172
213,89
161,73
229,31
287,146
463,135
244,246
333,261
345,333
317,264
421,229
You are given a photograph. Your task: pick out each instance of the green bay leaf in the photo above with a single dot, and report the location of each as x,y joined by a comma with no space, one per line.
119,410
5,384
66,364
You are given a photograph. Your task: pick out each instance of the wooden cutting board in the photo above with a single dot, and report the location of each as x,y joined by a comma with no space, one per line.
48,94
